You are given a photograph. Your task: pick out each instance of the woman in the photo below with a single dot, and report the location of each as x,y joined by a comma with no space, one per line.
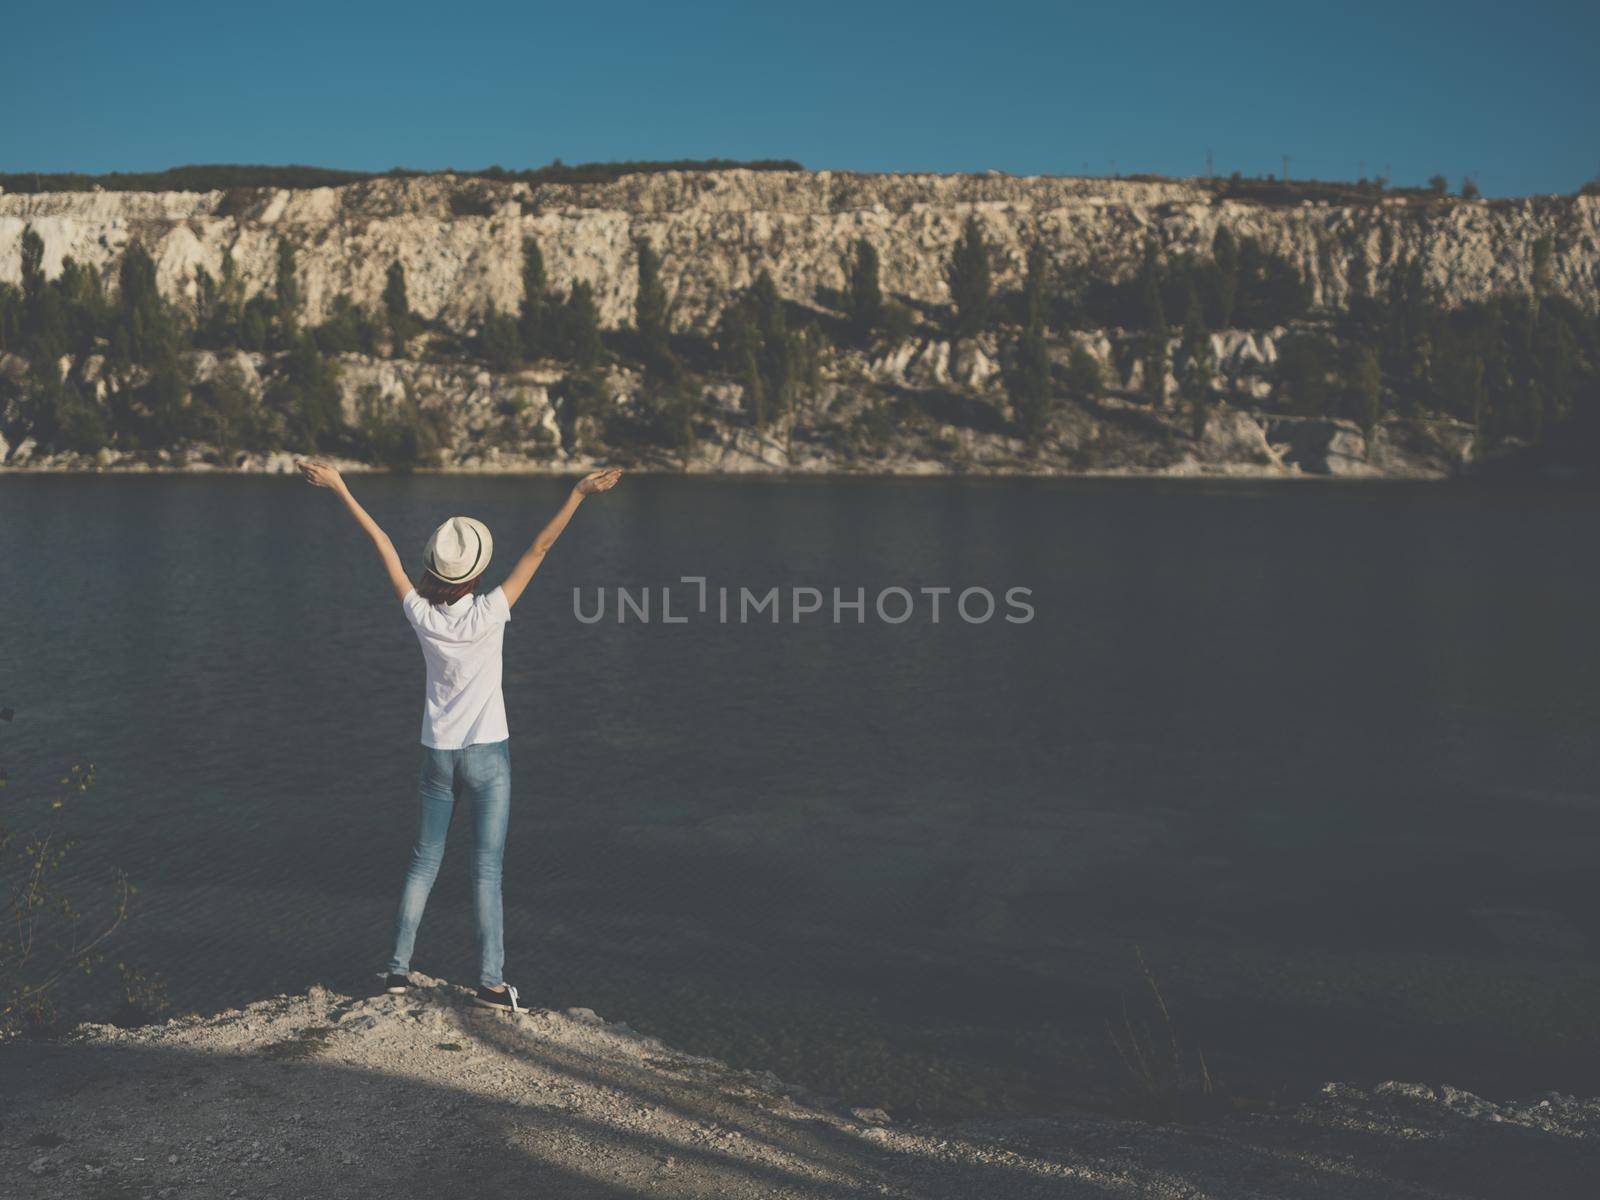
466,749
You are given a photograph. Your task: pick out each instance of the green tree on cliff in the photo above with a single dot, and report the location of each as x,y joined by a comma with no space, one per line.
1199,365
10,317
1407,349
287,292
397,308
43,318
1030,383
498,344
1225,254
650,312
1036,288
535,318
580,327
1154,356
1364,385
1030,386
740,349
968,275
219,306
305,396
863,293
776,352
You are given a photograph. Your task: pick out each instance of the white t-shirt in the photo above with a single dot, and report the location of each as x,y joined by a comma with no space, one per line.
461,646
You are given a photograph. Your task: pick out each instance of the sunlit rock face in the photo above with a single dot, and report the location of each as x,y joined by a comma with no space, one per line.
460,240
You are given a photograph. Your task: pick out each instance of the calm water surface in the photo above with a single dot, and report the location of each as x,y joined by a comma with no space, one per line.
1326,754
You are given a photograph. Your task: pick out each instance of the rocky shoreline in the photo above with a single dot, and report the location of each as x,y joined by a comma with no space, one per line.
336,1095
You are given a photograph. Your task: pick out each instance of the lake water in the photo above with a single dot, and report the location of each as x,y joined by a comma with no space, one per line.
1326,755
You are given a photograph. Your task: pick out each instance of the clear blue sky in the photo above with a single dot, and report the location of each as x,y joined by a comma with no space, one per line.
1506,93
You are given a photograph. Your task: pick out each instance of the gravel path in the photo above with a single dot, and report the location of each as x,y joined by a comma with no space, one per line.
324,1095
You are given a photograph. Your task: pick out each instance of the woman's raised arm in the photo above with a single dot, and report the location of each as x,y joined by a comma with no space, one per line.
322,475
522,573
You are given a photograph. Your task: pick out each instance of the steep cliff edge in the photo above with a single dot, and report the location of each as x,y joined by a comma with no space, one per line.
460,239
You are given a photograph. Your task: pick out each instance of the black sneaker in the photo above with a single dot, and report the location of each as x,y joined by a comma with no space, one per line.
505,1000
397,984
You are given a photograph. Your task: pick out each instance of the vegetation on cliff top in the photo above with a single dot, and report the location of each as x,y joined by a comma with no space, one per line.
224,177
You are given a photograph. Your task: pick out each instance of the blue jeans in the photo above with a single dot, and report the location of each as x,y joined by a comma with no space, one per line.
480,774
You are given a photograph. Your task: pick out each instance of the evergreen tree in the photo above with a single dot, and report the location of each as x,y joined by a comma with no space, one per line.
740,349
674,404
968,276
77,422
1271,290
650,309
10,317
1407,353
1306,374
33,278
306,395
1225,254
579,394
1029,385
82,302
1558,364
287,292
1364,385
397,308
1036,288
1030,381
165,397
498,344
1199,365
772,362
349,329
144,330
863,294
255,322
535,317
219,306
1363,310
777,349
1154,355
206,300
227,410
1543,271
753,397
580,327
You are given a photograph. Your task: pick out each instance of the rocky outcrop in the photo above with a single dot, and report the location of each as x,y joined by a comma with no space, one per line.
925,407
460,239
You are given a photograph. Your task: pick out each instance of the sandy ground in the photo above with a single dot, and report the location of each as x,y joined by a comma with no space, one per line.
325,1095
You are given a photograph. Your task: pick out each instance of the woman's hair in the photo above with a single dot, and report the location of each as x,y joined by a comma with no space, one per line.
437,591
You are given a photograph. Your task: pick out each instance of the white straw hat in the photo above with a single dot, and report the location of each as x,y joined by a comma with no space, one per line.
459,549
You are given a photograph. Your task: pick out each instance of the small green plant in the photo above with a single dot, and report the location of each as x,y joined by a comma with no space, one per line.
144,998
41,942
1161,1084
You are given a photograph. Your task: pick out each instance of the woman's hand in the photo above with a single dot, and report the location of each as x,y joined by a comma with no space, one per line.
320,474
598,481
